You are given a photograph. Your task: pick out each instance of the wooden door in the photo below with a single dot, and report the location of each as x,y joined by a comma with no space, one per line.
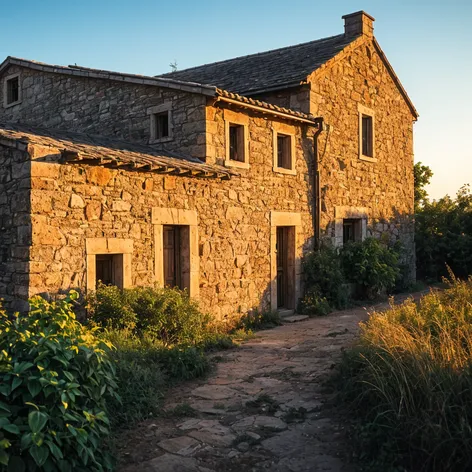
172,272
104,269
282,266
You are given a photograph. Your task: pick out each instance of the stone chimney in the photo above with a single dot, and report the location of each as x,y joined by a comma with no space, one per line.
358,23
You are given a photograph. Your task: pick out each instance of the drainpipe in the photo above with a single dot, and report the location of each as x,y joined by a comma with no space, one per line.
316,185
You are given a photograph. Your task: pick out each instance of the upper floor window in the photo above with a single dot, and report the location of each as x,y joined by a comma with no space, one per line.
284,151
366,134
284,148
236,142
236,136
12,91
161,123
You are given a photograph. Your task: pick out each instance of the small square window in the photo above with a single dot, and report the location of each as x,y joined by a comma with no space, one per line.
109,269
367,136
284,151
352,230
236,142
161,122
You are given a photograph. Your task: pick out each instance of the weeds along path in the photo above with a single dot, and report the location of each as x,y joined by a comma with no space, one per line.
265,407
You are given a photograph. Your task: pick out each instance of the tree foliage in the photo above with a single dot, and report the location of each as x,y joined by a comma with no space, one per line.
444,236
422,175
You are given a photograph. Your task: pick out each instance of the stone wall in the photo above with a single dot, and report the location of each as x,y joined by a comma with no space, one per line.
15,233
106,108
384,187
71,203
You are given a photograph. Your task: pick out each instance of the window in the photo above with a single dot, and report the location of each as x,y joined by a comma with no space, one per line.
108,260
12,92
161,121
352,230
367,136
283,148
172,262
236,139
284,151
109,269
236,142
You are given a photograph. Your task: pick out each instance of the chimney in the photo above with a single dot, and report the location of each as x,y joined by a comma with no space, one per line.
358,23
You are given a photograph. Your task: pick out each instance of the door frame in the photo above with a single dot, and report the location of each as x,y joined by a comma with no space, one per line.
295,252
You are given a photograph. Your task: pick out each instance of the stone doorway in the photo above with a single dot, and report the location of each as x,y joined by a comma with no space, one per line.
285,256
285,249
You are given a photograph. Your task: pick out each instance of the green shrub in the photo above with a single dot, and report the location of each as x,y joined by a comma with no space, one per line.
324,275
409,380
144,368
255,319
165,314
140,377
314,304
370,264
55,379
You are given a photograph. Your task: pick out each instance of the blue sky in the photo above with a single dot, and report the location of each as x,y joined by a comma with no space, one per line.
429,44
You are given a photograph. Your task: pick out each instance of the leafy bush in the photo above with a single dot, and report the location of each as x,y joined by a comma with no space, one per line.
55,379
256,319
443,235
314,304
324,276
165,314
409,380
371,265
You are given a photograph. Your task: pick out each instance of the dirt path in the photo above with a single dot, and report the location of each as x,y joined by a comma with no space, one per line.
265,408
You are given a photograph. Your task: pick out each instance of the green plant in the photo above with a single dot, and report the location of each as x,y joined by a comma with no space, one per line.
55,379
443,236
314,304
371,264
184,363
165,314
324,278
409,379
140,377
256,319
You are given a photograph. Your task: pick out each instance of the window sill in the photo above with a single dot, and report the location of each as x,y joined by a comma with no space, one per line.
161,140
8,105
367,158
282,170
237,164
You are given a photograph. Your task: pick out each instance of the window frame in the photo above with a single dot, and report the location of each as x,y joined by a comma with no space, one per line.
6,80
281,129
154,112
109,246
366,112
232,118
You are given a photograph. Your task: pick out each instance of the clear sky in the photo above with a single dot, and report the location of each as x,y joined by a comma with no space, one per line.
428,42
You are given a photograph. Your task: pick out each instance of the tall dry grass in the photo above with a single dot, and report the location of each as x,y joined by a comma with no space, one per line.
409,379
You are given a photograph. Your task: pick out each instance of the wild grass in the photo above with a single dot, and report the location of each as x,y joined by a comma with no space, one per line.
409,379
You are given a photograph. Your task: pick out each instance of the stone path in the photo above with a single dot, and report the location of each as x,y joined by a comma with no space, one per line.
265,408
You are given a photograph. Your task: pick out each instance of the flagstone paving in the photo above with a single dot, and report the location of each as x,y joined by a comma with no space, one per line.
266,407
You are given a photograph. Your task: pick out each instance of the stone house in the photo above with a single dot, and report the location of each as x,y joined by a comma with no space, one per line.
216,179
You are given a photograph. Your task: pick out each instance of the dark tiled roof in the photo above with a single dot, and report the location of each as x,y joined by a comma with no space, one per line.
108,152
267,70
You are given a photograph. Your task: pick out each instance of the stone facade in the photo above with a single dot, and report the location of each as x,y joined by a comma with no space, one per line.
58,217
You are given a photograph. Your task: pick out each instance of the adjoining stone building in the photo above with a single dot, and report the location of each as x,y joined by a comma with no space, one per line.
217,178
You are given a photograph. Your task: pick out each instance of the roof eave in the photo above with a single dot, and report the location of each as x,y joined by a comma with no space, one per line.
396,79
192,87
